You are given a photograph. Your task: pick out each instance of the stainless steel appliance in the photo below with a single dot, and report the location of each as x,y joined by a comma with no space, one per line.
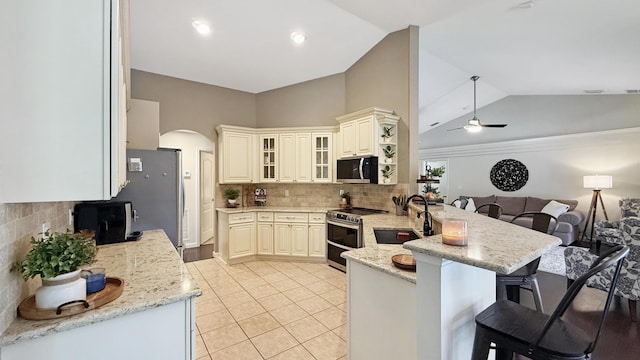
344,233
109,220
361,170
156,191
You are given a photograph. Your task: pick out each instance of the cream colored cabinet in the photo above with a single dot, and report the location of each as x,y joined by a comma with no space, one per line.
347,139
291,234
357,137
317,235
322,157
265,233
287,169
62,135
236,154
236,235
268,146
303,157
242,240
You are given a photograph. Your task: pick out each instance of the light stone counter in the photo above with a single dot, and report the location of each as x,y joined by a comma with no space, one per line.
307,209
493,244
154,276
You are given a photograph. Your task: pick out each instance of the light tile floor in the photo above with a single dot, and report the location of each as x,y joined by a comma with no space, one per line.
269,310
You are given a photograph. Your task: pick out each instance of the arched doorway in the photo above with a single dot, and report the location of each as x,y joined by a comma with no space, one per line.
196,148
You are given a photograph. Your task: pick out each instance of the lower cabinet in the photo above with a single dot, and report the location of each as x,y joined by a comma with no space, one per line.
242,240
317,240
265,233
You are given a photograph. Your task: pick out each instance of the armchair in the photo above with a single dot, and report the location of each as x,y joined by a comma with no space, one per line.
625,232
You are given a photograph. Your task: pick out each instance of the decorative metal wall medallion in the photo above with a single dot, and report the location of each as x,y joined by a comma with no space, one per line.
509,175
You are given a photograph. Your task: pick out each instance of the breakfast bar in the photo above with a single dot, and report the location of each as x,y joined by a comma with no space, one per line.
430,311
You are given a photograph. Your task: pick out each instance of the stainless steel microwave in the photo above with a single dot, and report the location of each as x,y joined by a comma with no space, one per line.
361,170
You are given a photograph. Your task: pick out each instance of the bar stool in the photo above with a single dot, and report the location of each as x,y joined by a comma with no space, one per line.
526,275
516,328
495,210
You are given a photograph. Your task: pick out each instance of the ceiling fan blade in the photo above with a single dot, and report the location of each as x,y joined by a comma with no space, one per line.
494,125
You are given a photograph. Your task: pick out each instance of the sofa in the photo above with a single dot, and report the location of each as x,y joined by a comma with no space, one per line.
568,222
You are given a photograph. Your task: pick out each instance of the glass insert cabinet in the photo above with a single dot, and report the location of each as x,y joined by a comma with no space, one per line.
322,157
268,144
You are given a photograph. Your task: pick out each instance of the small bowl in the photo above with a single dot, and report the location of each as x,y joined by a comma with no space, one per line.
96,279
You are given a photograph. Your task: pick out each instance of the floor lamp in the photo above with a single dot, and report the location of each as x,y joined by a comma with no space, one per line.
597,183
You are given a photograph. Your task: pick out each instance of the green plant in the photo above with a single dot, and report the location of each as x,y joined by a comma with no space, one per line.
388,151
387,171
435,172
387,132
56,254
231,194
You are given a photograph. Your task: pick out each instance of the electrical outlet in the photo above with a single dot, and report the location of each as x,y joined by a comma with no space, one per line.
70,216
286,192
341,192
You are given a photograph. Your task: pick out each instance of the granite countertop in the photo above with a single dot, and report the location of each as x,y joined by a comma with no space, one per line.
308,209
153,273
493,244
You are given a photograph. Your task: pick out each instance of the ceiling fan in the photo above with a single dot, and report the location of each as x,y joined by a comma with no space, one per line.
474,124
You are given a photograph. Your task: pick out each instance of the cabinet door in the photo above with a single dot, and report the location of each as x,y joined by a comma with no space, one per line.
300,239
242,240
268,146
365,136
322,157
287,168
347,139
265,239
317,240
303,157
282,239
58,100
237,161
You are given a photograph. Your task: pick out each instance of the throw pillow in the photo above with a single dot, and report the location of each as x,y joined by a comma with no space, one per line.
555,208
471,206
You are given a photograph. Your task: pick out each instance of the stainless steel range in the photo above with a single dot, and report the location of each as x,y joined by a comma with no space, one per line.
344,233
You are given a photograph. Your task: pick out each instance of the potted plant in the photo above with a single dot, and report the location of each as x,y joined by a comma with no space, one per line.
386,173
57,258
231,195
387,133
389,153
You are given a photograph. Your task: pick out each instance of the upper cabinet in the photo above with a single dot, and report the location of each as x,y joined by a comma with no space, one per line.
63,126
286,155
371,132
236,154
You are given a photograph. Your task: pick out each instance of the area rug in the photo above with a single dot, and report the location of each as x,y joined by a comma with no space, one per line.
553,261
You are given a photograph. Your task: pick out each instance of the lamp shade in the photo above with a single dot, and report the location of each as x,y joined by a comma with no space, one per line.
597,181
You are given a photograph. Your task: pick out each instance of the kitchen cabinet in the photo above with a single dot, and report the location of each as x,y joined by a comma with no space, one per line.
236,154
236,234
322,157
317,235
291,234
295,157
357,138
63,131
269,158
303,157
265,233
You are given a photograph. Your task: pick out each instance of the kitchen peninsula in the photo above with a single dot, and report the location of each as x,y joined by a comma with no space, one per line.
430,312
154,318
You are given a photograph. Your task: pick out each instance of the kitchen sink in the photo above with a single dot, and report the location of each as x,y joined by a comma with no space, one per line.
390,236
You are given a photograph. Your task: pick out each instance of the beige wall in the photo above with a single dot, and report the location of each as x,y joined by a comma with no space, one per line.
143,124
312,103
382,78
18,223
194,106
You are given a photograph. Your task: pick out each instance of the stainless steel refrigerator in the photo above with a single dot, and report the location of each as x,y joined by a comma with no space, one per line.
156,192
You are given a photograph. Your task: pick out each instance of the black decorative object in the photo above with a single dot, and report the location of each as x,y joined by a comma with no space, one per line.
509,175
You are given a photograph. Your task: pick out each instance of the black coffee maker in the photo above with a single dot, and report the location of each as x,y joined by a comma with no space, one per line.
110,220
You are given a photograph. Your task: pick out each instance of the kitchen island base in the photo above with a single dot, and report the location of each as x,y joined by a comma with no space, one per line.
449,296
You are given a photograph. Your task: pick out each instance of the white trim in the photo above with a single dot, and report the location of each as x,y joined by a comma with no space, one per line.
587,140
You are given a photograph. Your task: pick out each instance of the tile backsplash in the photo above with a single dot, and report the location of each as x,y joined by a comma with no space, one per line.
323,195
18,223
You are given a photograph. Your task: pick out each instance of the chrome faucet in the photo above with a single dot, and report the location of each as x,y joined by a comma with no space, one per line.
427,228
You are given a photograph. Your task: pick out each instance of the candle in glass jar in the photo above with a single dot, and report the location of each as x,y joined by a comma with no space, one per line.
454,232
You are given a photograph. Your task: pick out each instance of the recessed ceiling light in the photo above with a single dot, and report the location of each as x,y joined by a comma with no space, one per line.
595,91
201,27
298,37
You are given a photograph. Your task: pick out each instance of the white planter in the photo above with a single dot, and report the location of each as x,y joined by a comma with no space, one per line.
388,160
61,289
386,180
232,201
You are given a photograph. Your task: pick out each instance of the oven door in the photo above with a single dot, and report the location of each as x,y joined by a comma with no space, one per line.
333,256
344,234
